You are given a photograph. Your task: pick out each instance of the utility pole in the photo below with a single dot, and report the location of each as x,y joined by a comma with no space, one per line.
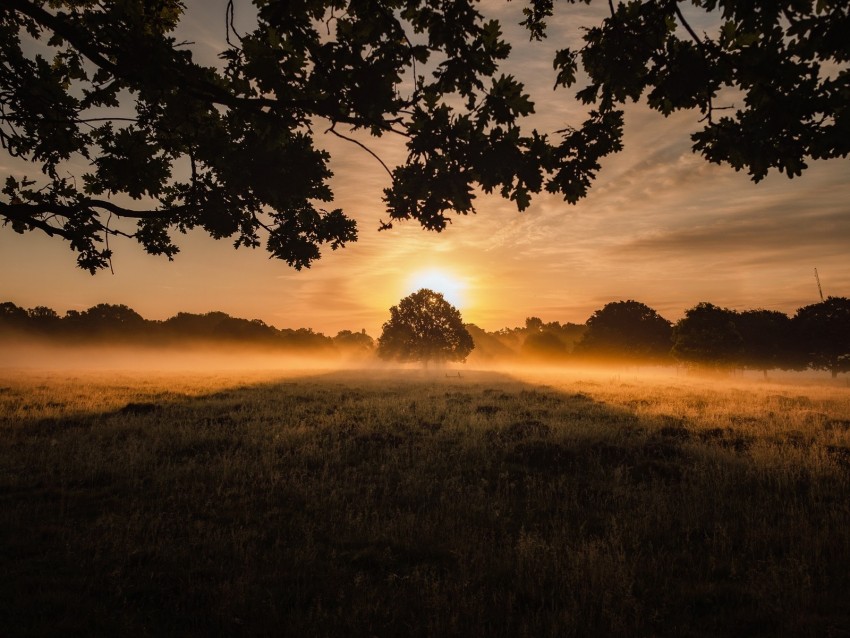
817,279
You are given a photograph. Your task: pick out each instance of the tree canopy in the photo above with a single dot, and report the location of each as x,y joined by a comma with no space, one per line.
628,330
172,145
424,327
771,81
822,331
766,340
707,336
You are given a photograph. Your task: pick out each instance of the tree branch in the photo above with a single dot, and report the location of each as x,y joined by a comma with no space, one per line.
25,212
361,145
687,26
189,82
13,213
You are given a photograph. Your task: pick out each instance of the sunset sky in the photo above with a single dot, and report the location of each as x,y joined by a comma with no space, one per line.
660,225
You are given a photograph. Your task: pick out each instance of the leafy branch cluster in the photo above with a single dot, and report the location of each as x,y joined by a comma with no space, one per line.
787,61
232,149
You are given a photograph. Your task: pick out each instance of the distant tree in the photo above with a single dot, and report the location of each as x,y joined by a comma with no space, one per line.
354,342
766,340
490,346
107,320
425,327
236,329
43,319
544,345
187,325
42,313
111,315
71,322
822,331
304,339
533,324
12,316
627,330
707,336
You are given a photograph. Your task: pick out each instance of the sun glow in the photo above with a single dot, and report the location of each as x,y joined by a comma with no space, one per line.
451,287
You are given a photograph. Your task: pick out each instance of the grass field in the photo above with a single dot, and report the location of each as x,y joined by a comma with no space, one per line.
405,503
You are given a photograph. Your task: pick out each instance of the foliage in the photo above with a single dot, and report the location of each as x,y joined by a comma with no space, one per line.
785,63
816,338
489,346
544,345
626,329
424,327
111,323
707,336
356,342
544,340
766,340
12,315
823,332
232,149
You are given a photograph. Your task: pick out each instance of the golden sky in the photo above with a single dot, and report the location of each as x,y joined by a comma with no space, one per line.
660,225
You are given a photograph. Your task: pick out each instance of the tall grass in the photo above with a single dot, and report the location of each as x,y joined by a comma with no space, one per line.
405,503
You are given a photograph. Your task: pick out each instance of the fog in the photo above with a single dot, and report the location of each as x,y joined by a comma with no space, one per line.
29,354
32,354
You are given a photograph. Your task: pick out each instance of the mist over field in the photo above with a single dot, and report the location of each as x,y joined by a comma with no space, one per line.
213,475
185,493
27,354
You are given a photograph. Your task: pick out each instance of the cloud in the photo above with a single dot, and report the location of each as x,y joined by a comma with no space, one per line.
777,233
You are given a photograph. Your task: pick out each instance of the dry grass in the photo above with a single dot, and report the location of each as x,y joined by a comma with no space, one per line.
401,503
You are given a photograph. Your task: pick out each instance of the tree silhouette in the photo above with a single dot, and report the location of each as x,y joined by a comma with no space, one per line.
787,59
766,339
12,316
544,345
707,336
425,327
626,330
233,151
533,324
354,342
822,331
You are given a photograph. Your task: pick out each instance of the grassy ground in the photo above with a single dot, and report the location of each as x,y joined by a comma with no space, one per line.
406,504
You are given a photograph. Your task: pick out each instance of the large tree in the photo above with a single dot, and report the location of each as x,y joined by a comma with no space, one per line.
707,336
130,135
626,330
425,327
822,333
766,340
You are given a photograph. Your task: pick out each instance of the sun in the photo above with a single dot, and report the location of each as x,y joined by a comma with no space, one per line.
450,286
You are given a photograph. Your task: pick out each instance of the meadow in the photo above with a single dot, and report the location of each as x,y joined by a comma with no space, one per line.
410,503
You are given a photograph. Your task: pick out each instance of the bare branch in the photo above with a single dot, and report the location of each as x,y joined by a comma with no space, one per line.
688,27
228,24
361,145
106,241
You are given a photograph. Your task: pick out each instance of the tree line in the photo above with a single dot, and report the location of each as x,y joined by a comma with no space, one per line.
424,327
117,323
817,336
